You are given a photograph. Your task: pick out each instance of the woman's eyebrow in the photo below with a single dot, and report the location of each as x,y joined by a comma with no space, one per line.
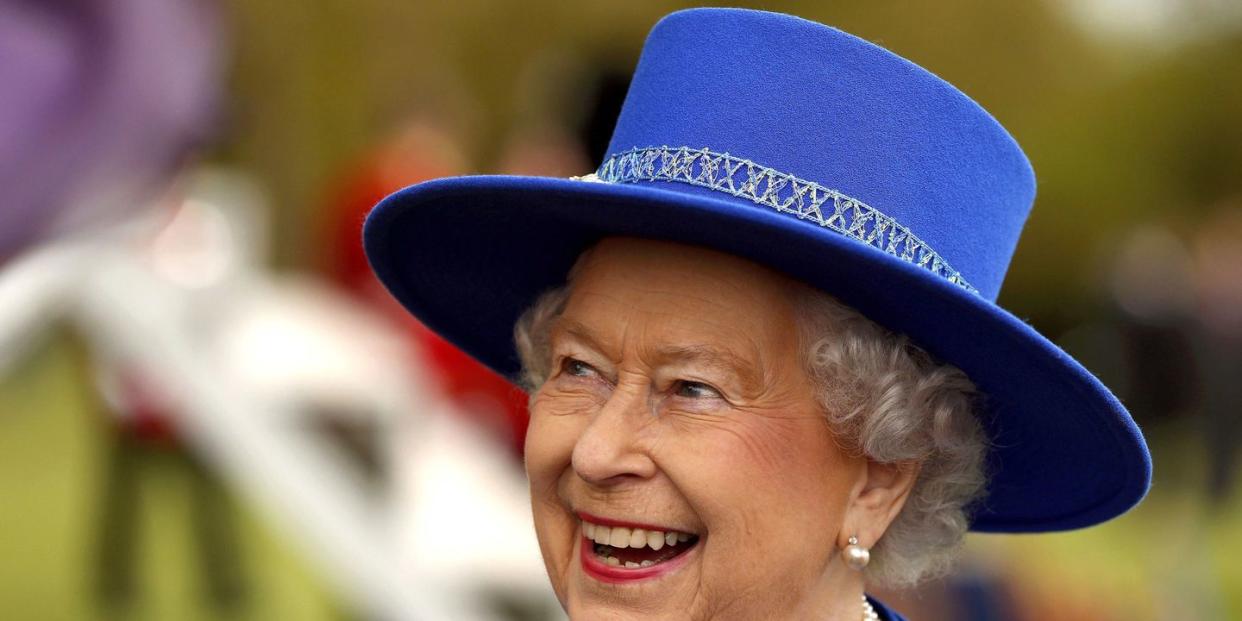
567,327
721,359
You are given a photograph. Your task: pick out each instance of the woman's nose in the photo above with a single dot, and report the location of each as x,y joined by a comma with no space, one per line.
608,452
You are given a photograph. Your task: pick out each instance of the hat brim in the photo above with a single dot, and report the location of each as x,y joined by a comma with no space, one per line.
467,255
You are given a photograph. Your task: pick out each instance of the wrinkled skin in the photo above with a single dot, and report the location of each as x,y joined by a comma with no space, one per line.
677,398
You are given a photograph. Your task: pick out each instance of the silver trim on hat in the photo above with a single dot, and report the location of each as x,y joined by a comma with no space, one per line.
781,191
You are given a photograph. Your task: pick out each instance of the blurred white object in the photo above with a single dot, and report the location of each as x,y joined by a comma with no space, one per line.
34,291
296,339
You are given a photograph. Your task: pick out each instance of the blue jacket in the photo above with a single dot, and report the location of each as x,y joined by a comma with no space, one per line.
886,614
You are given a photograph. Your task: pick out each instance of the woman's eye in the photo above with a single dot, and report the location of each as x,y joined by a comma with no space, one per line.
578,368
695,390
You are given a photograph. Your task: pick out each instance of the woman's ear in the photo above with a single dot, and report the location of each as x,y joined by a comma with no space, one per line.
877,499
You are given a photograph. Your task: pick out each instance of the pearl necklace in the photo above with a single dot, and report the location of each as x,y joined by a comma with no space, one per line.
869,613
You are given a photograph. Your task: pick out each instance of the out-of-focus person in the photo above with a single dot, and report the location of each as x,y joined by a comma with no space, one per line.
419,149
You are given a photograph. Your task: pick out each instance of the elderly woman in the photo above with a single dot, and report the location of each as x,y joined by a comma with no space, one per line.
765,361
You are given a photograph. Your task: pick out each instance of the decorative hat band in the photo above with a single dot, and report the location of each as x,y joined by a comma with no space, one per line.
781,191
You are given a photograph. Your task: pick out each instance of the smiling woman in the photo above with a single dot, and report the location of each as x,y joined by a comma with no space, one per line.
771,368
682,434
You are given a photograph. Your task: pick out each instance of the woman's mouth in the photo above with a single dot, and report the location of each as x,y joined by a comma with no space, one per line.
615,553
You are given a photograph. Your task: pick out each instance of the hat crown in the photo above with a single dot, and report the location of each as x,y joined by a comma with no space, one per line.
813,103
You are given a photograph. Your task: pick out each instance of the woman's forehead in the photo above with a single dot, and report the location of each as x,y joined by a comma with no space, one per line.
629,265
682,297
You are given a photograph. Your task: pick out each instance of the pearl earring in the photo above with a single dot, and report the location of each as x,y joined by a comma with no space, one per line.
855,556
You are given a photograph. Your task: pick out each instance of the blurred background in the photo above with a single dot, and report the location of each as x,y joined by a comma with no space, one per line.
210,410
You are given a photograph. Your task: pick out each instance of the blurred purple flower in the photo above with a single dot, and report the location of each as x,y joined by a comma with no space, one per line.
99,102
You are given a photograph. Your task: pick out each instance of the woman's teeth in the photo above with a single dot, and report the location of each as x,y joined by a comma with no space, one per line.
622,537
638,544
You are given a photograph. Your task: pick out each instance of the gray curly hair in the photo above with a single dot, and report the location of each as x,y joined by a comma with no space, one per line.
883,397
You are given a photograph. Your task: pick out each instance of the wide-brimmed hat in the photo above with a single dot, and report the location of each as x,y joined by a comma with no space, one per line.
825,157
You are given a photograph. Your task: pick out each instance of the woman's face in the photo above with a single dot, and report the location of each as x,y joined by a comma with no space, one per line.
678,407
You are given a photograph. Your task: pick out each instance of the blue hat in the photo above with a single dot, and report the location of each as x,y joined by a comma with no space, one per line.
823,156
